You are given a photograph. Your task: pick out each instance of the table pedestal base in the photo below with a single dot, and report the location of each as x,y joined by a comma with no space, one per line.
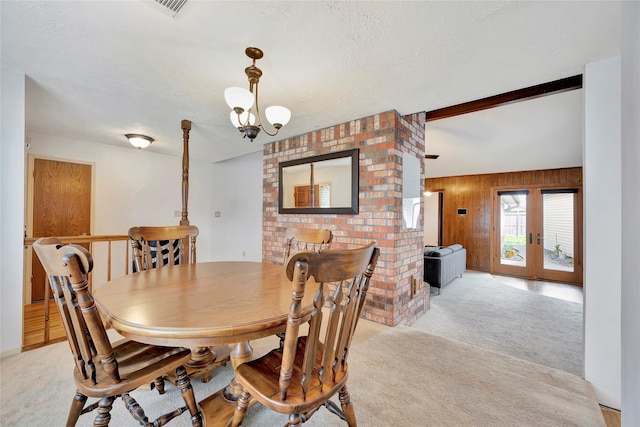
218,408
203,361
217,411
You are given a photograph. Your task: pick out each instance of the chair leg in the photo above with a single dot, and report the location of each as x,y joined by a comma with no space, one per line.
135,409
104,409
241,409
77,404
159,385
280,335
295,420
184,384
347,407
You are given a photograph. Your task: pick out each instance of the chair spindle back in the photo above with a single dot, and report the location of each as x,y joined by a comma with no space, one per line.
303,239
67,268
343,277
155,247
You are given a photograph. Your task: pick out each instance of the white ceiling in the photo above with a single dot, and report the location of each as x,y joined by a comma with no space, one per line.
99,69
541,133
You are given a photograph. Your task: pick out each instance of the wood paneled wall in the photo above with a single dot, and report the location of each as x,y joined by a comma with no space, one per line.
474,193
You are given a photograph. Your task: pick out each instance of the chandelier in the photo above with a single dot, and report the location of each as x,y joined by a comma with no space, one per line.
244,103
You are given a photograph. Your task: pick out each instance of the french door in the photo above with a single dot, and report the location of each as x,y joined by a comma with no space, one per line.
537,233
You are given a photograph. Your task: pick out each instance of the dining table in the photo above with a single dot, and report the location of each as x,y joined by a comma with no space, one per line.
202,305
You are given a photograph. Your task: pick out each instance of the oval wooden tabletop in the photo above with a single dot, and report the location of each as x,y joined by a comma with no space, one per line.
200,304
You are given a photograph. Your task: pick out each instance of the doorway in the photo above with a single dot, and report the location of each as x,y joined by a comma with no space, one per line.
536,233
60,203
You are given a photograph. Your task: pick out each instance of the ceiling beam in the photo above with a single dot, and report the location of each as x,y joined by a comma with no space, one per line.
557,86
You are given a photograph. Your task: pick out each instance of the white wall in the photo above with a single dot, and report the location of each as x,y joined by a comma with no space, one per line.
602,229
131,187
12,164
630,209
431,219
138,187
236,189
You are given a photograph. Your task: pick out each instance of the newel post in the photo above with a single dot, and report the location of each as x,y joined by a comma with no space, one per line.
186,127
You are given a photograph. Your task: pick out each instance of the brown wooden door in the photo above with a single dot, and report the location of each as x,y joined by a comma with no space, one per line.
61,207
537,233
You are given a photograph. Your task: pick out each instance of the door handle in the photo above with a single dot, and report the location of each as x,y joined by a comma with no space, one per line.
539,238
530,238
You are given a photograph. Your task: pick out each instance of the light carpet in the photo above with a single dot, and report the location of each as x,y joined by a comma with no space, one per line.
478,309
398,376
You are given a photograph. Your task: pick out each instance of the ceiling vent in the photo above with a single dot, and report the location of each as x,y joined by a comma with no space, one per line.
171,7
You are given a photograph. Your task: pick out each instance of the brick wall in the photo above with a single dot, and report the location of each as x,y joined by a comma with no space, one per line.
381,139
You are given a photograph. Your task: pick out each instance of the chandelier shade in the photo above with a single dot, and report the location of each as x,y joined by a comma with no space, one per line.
278,116
238,119
238,97
245,114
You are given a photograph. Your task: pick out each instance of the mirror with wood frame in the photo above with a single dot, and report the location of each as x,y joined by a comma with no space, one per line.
324,184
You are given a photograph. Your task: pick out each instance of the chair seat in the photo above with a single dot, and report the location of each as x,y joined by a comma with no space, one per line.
260,378
137,363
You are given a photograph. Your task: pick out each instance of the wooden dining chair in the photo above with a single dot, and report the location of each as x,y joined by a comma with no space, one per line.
304,239
309,370
104,370
154,247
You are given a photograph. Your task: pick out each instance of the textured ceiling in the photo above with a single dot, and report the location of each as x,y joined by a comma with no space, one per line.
541,133
97,70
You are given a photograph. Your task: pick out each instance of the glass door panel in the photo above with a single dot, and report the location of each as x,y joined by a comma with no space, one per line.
512,249
513,229
558,246
557,217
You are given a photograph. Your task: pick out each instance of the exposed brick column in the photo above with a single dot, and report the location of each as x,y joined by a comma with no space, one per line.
381,138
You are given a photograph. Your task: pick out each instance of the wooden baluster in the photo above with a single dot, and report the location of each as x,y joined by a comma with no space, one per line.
47,297
90,278
108,261
126,259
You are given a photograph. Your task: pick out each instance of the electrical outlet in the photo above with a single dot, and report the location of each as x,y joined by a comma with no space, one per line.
216,214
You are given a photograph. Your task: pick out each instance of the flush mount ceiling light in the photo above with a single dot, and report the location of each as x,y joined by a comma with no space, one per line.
244,103
139,141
